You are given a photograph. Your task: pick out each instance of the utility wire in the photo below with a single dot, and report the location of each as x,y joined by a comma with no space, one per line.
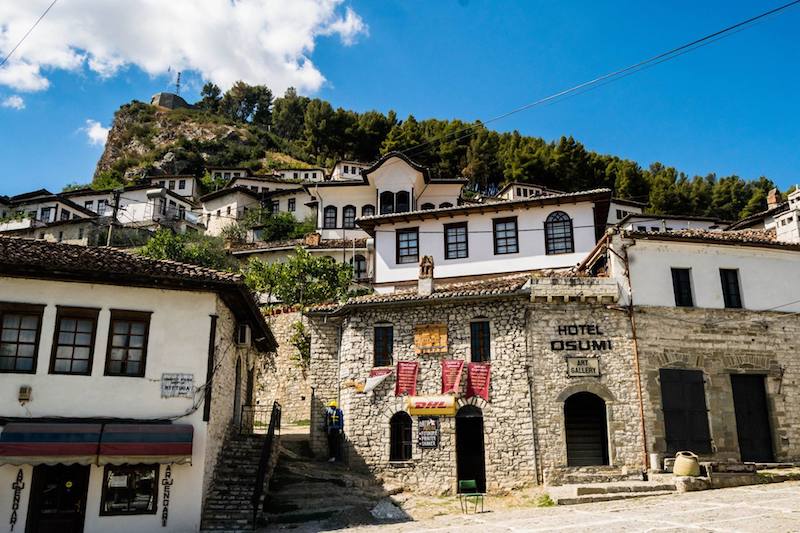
28,32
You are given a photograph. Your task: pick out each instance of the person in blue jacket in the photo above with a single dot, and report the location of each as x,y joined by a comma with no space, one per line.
334,427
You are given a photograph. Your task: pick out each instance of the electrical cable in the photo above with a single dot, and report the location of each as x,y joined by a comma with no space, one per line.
3,62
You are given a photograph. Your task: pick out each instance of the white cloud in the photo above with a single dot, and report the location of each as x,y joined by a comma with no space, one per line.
258,41
96,133
13,102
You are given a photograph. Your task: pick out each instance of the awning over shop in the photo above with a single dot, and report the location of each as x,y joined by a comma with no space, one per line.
146,443
40,443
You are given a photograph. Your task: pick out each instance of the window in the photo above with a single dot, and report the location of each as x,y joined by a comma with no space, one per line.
172,185
683,401
346,169
730,287
219,213
620,214
44,215
163,183
101,206
182,212
254,188
407,245
682,286
400,443
20,326
455,241
558,234
479,340
73,341
275,206
384,341
505,236
642,229
296,175
359,264
89,204
228,210
427,206
329,217
402,202
386,202
182,184
519,191
129,490
80,233
127,343
291,205
349,216
368,210
655,229
227,175
445,204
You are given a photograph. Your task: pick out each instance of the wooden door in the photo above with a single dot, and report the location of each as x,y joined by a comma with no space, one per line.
752,418
58,499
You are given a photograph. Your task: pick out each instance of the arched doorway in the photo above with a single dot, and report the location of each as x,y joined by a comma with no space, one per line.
237,394
586,430
470,459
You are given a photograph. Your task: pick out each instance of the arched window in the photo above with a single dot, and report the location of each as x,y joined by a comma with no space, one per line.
427,205
368,210
400,437
387,202
359,264
402,202
348,216
558,234
329,217
445,204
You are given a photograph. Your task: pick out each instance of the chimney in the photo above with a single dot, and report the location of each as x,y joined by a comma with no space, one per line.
773,198
425,282
312,239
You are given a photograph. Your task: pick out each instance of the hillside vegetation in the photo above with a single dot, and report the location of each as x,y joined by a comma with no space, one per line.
246,127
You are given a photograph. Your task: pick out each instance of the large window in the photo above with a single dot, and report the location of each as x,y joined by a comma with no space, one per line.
349,217
400,443
368,210
129,489
558,234
73,341
682,287
730,288
384,345
20,325
480,340
291,205
407,245
127,343
402,202
683,401
329,217
505,236
386,202
455,241
359,264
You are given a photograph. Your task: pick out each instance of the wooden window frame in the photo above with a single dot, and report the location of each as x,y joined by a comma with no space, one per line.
456,225
349,224
123,314
679,302
128,467
364,209
728,296
398,232
388,357
79,313
484,340
325,211
495,222
24,309
552,241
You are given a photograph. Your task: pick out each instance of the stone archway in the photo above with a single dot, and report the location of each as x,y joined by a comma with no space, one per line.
586,430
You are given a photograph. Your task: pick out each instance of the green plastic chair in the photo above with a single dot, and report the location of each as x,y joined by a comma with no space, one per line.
468,490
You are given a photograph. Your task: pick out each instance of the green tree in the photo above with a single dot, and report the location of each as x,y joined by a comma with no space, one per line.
318,124
107,180
193,248
288,115
303,279
248,103
210,97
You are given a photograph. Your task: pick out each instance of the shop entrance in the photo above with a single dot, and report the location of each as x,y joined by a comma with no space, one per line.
752,418
58,499
470,458
585,424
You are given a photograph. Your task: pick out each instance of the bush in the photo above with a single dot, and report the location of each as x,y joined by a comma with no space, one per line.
192,248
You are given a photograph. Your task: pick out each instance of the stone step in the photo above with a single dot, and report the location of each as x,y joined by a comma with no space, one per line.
631,486
593,498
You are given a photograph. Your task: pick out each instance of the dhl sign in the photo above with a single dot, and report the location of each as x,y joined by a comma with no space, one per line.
431,405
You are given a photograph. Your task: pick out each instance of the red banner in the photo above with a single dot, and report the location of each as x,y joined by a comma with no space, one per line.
406,378
451,375
478,380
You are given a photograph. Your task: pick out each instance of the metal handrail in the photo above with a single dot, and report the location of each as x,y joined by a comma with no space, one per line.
266,455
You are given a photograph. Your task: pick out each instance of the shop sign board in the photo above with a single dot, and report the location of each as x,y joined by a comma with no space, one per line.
430,339
583,367
444,405
428,432
177,385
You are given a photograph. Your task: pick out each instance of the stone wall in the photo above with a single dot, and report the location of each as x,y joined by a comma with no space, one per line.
324,370
283,378
720,343
508,435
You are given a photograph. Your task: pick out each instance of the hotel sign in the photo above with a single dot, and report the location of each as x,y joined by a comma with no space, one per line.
430,339
583,367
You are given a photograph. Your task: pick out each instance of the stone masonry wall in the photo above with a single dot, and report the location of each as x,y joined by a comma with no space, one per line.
324,377
720,343
508,436
283,378
616,384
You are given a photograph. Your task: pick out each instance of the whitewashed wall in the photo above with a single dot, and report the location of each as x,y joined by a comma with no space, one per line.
178,342
482,260
237,201
767,277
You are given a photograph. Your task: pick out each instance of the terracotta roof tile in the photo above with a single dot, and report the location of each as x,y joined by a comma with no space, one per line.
750,237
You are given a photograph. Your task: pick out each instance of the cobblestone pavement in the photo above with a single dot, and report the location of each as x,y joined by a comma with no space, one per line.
760,508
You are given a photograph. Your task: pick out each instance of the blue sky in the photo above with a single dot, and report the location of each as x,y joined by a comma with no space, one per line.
729,108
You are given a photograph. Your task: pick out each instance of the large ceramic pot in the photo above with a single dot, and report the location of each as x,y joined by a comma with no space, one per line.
686,464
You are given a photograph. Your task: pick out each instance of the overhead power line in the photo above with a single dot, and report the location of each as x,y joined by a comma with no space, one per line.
611,76
46,11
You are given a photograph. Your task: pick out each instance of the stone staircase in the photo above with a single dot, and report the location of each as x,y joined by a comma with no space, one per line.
613,491
228,506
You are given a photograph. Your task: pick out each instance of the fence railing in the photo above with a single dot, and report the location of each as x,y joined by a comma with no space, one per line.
266,457
255,419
